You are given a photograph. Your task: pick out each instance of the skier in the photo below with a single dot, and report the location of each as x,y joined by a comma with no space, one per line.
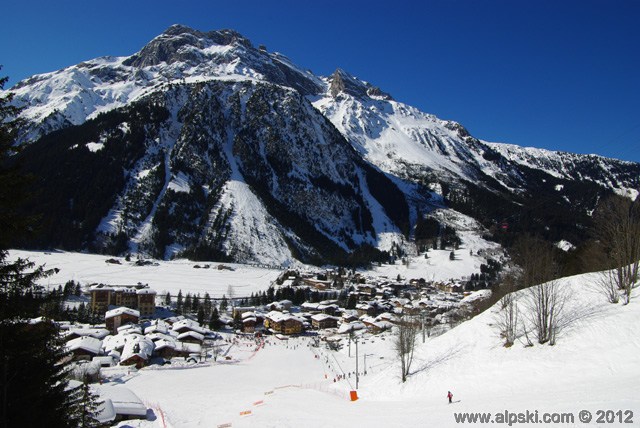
449,396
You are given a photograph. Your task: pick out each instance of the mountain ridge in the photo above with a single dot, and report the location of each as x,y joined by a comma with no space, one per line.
231,128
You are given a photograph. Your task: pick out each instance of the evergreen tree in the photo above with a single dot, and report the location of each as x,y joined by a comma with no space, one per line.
179,302
33,384
84,402
187,303
214,322
237,321
207,305
195,304
167,299
201,315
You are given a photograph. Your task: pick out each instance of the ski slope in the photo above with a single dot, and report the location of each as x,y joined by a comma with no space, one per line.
594,366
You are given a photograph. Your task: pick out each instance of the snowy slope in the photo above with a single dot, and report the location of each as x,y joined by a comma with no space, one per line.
571,166
594,366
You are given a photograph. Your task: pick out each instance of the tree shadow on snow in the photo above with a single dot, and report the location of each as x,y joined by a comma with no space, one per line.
438,359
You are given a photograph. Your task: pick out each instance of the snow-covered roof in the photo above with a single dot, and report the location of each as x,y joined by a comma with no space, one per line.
190,324
476,296
136,344
121,311
105,411
322,317
191,334
87,343
276,316
98,333
146,291
124,401
130,329
157,327
190,348
165,343
352,326
113,342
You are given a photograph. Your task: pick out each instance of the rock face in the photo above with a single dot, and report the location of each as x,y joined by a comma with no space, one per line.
202,145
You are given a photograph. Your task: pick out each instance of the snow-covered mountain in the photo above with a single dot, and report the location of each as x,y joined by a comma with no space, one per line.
203,144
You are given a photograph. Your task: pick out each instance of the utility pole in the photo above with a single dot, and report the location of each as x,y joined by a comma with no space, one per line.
357,377
422,319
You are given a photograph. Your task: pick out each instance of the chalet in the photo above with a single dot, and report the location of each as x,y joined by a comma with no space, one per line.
249,322
104,360
120,316
322,321
279,322
242,310
157,327
367,289
169,348
84,348
349,317
191,337
188,325
137,351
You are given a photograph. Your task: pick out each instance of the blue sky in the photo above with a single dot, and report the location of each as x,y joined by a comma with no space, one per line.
562,75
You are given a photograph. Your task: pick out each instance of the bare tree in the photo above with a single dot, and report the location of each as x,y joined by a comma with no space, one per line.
545,310
404,343
607,284
507,319
617,227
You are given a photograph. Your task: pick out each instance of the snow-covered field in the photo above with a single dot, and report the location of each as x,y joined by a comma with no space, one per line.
162,276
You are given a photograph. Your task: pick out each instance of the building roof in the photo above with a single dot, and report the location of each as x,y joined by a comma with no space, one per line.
86,343
352,326
276,316
192,334
136,344
322,317
121,311
189,324
124,401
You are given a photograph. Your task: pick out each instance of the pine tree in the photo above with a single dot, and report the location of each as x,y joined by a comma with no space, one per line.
237,321
33,384
167,299
201,315
187,303
84,404
214,322
179,302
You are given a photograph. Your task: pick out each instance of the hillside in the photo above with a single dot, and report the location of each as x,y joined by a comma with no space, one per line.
593,366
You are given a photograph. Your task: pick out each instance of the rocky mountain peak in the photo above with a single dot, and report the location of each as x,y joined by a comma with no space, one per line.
181,43
343,82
